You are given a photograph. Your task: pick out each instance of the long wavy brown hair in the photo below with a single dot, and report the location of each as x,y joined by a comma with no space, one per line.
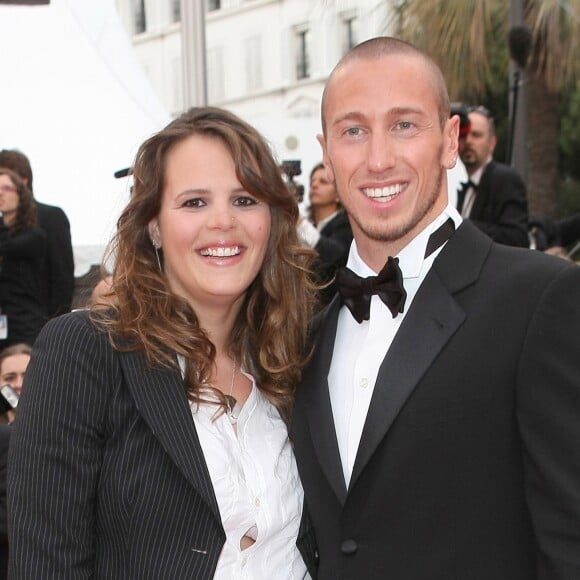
270,333
26,211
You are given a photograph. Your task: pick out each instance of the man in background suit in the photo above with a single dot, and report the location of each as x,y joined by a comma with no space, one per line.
436,427
58,272
494,197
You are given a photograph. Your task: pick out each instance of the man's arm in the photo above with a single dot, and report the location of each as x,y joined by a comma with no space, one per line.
59,259
548,391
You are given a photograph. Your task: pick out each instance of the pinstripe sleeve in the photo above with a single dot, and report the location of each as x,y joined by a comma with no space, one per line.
56,451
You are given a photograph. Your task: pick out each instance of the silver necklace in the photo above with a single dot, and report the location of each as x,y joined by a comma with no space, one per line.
230,399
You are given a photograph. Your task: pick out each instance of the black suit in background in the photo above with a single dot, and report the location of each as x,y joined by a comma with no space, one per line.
500,208
21,257
469,462
4,442
58,269
332,249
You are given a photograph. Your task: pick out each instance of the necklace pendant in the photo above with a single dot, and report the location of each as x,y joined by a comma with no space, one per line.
231,403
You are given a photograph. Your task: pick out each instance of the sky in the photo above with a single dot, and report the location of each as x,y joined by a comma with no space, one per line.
75,100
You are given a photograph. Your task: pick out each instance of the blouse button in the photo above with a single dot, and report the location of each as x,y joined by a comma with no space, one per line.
257,502
364,383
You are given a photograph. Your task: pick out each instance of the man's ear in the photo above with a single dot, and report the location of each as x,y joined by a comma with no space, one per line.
451,142
325,160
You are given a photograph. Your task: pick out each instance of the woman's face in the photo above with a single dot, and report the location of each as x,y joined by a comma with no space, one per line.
213,233
9,198
13,369
322,190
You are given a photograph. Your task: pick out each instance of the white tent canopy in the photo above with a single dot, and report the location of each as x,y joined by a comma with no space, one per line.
75,100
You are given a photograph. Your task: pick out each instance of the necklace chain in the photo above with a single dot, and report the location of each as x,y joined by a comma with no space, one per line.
230,399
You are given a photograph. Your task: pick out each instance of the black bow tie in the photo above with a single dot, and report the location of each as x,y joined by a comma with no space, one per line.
356,292
462,192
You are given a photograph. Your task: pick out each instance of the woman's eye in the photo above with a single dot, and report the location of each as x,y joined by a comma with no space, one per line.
245,201
194,202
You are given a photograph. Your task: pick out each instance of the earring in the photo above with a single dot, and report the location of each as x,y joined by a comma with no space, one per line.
156,247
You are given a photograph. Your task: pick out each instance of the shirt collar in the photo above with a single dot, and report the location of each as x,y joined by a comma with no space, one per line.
412,256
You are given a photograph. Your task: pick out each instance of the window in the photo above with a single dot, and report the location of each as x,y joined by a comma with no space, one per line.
213,5
350,33
253,56
139,17
175,11
302,53
215,74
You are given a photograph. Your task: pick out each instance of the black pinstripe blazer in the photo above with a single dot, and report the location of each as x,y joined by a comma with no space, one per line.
107,477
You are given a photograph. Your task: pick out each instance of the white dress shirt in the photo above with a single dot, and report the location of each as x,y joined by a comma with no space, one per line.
359,349
471,193
256,483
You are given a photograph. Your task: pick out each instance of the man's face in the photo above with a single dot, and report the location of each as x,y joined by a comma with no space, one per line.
386,150
477,147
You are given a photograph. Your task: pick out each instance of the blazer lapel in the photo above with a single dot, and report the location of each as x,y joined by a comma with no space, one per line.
434,316
160,397
318,406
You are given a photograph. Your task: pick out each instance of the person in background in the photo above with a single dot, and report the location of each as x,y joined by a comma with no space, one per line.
436,425
327,230
22,248
13,363
58,280
494,198
101,293
161,420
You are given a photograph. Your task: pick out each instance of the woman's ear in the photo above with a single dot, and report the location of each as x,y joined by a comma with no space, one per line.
154,234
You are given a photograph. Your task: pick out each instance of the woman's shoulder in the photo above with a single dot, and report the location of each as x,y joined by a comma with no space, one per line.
76,325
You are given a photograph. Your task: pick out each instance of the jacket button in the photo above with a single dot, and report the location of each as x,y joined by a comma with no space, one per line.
348,547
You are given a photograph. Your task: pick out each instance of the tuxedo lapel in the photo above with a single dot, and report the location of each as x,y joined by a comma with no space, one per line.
160,397
318,406
434,316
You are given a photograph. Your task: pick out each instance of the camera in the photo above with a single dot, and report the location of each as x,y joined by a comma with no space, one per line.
291,168
8,398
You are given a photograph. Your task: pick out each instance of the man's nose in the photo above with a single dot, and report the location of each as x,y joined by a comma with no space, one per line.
380,153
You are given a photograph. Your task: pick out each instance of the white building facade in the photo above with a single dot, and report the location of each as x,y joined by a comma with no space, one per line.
266,60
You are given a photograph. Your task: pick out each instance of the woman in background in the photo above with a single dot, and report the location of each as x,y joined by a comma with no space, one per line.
151,438
327,230
13,363
22,247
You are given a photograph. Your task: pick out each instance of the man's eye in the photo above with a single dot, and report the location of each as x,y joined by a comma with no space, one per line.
353,131
405,125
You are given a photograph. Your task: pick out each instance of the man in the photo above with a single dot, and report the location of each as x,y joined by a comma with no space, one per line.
437,438
58,277
494,197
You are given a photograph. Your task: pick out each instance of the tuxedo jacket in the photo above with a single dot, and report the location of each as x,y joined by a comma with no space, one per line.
107,478
500,208
58,281
332,249
468,466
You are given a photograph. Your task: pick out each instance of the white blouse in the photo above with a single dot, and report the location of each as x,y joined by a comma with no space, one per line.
255,480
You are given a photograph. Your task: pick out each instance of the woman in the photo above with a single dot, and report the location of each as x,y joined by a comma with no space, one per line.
22,247
13,363
327,230
150,439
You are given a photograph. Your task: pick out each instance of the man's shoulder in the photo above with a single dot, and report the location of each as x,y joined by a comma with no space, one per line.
50,215
497,169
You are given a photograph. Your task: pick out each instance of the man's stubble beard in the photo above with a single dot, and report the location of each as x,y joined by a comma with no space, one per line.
385,232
